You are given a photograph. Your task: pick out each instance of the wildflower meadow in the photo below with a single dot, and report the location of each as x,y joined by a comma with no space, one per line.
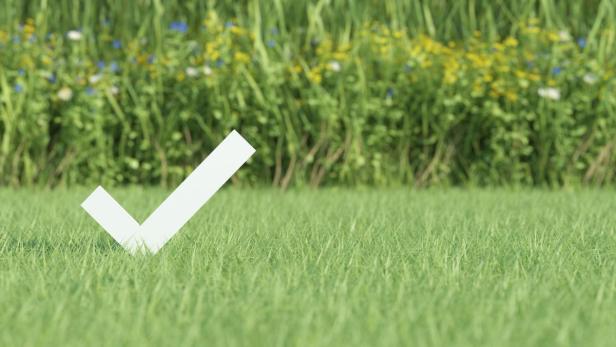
517,96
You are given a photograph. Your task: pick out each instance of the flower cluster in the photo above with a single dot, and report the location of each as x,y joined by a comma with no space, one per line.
544,63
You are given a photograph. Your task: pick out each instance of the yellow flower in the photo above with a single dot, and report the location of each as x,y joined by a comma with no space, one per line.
211,51
241,57
553,36
314,75
520,74
504,68
450,78
511,96
4,37
26,62
511,42
340,56
425,63
181,76
451,71
345,47
29,27
534,77
237,30
142,58
324,47
479,61
295,69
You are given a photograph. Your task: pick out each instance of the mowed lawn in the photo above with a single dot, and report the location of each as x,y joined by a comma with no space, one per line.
331,267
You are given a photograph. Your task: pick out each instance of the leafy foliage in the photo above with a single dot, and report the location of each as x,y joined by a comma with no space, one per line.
352,100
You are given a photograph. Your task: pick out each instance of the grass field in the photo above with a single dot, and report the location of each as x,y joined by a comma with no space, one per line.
311,268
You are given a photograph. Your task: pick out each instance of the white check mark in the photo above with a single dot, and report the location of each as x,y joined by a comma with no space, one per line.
178,208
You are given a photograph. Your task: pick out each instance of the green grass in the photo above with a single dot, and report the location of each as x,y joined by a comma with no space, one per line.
312,268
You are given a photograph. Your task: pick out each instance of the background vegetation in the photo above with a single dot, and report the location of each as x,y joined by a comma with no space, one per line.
389,92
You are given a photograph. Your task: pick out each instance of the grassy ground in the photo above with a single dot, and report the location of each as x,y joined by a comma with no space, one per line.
311,268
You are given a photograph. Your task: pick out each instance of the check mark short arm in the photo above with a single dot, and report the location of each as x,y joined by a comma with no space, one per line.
111,216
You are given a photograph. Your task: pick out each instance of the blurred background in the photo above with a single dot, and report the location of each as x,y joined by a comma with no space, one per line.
353,93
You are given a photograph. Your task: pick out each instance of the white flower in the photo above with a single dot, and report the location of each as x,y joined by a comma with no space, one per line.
114,90
334,66
207,70
564,36
192,72
74,35
65,94
590,78
95,78
549,93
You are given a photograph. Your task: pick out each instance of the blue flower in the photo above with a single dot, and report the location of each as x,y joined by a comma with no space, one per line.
581,42
32,38
271,43
219,62
100,64
18,88
180,27
117,44
274,31
390,93
113,66
229,24
52,78
21,72
16,39
90,91
556,70
530,64
151,59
